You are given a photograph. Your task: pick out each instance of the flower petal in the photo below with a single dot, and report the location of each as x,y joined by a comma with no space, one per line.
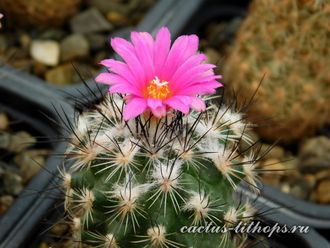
197,104
161,49
119,68
143,44
183,47
159,111
126,50
178,103
134,107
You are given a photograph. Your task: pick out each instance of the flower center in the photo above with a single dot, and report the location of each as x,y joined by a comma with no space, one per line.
157,89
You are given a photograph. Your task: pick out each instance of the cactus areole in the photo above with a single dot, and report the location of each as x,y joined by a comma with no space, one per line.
154,157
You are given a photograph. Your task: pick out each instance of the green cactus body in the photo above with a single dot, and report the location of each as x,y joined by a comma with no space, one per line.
137,183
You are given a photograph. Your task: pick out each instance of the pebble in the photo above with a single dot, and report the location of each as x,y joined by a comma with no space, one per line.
4,122
44,245
39,69
13,183
61,75
105,6
117,19
74,46
272,152
300,188
30,163
45,51
97,42
274,166
324,174
89,21
25,41
314,154
3,43
59,229
322,194
5,202
16,142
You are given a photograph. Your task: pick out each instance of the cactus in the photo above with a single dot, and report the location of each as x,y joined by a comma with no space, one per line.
40,13
135,181
286,41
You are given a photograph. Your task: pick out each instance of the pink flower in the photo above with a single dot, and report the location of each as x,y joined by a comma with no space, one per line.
157,77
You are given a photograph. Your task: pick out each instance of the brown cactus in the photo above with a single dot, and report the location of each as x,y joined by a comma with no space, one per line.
289,42
40,13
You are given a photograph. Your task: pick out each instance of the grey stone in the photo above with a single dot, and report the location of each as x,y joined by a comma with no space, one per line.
5,202
314,154
61,75
106,6
13,183
16,142
45,51
30,163
97,42
74,46
89,21
4,121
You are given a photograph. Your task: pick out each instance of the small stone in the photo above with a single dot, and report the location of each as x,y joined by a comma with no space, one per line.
25,41
4,122
45,51
285,188
99,57
61,75
3,43
322,192
5,203
300,188
74,46
59,229
274,169
324,174
272,152
86,71
24,64
117,19
274,166
52,34
16,142
30,163
314,154
97,42
311,180
44,245
89,21
13,183
105,6
39,69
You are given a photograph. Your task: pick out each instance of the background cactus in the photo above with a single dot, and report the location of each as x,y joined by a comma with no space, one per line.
287,41
44,13
136,183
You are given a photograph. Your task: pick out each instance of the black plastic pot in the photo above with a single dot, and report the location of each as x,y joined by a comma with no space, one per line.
33,106
272,213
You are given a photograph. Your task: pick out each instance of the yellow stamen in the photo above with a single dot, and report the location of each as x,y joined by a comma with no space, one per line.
158,89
